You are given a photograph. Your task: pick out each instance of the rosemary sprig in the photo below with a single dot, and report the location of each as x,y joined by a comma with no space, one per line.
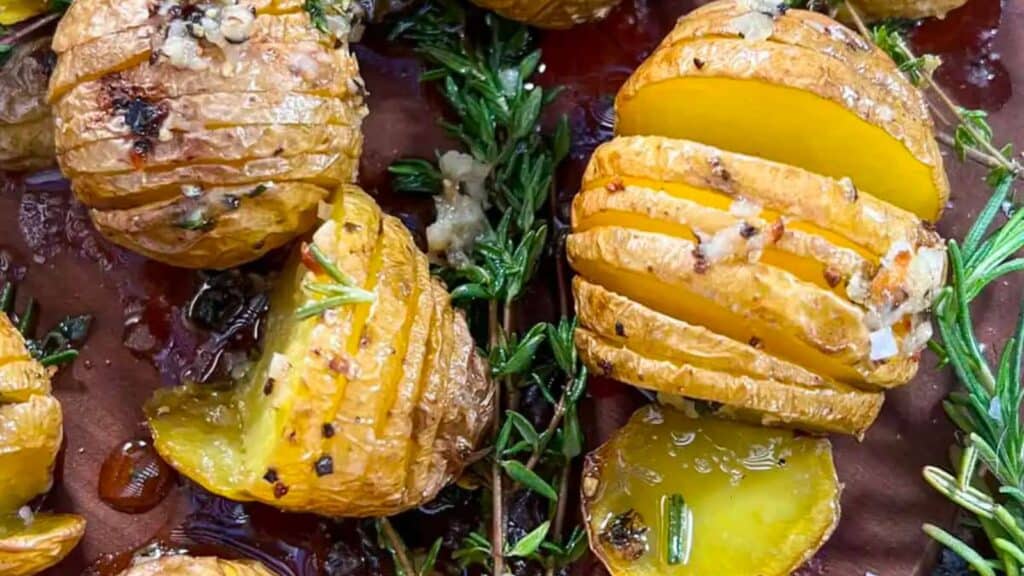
988,479
341,291
495,115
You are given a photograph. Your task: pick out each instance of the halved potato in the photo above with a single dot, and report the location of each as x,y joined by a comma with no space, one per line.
193,566
366,409
552,14
674,495
790,104
28,548
30,436
149,111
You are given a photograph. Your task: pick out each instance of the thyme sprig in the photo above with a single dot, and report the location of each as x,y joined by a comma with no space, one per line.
495,113
59,346
340,291
988,479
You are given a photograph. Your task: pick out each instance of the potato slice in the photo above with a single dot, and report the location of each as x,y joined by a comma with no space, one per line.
192,566
832,209
813,31
228,144
747,302
30,549
332,420
21,377
30,436
128,189
551,14
749,500
219,227
14,11
704,89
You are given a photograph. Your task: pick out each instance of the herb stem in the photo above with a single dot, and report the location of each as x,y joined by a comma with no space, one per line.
549,432
398,548
21,33
495,338
974,155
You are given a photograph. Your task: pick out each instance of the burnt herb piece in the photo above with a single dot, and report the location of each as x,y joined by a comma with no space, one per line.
626,534
324,466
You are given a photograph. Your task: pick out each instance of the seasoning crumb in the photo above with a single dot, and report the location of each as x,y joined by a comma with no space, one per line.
615,185
626,534
620,330
268,387
338,365
280,490
271,476
756,343
748,231
698,63
328,430
324,466
833,277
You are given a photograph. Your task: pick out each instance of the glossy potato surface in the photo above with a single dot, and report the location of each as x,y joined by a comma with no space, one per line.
366,409
553,14
31,432
872,10
211,155
754,500
789,102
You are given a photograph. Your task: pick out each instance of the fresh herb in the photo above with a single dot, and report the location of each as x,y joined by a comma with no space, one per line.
5,53
340,291
59,346
317,14
679,539
988,478
496,108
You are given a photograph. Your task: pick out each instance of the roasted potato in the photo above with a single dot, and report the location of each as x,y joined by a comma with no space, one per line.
31,431
774,86
678,495
782,294
26,123
365,409
552,14
205,134
192,566
871,10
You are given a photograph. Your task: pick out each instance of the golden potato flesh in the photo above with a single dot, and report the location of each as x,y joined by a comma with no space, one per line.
553,14
191,566
31,431
678,495
804,273
365,409
30,546
203,143
789,102
26,123
14,11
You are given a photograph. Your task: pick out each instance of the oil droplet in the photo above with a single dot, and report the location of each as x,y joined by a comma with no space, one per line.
134,479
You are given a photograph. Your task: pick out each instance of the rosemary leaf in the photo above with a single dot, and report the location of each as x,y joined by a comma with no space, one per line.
679,539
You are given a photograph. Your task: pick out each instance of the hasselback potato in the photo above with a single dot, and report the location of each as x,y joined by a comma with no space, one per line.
192,566
26,123
31,431
773,292
365,407
775,86
553,14
203,133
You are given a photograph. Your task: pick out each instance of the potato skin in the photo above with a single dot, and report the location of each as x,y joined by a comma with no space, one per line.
31,432
26,124
872,10
551,14
197,566
380,404
147,133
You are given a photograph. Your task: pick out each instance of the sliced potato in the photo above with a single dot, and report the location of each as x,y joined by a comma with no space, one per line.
553,14
147,113
364,410
218,228
747,302
742,95
30,548
717,497
30,436
14,11
26,124
813,31
193,566
21,377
